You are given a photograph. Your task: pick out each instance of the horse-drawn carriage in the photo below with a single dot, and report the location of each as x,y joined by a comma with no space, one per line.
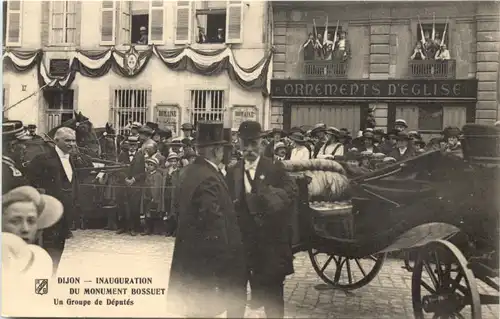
443,207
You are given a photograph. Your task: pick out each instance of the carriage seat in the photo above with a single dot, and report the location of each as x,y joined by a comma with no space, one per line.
399,191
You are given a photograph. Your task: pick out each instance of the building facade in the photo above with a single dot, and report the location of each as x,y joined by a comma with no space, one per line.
381,73
122,61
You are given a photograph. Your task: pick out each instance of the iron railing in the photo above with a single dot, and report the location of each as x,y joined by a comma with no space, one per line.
432,69
325,69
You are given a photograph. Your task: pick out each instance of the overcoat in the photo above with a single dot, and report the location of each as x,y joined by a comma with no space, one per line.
208,263
267,230
399,157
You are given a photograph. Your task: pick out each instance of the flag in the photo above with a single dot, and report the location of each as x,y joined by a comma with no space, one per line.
421,30
444,33
433,26
325,34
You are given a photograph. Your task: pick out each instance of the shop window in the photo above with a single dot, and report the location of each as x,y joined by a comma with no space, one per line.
129,105
430,118
63,22
60,107
207,105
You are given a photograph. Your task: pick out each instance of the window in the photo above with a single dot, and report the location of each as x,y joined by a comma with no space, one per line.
12,22
426,30
430,117
60,107
139,22
214,22
207,105
63,26
129,105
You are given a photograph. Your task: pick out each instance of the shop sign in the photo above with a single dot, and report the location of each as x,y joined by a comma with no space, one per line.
375,89
242,113
168,117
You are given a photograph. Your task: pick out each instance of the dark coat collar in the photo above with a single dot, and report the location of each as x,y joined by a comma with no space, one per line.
202,161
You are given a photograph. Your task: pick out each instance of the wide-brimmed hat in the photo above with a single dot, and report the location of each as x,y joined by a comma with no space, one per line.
49,208
368,135
298,137
250,130
296,129
320,127
136,125
132,139
279,145
277,131
20,257
401,122
451,131
11,128
187,127
209,134
333,131
366,154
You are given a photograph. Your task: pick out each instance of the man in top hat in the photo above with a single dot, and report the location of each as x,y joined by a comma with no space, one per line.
400,125
187,131
12,175
263,195
403,149
276,135
56,172
207,276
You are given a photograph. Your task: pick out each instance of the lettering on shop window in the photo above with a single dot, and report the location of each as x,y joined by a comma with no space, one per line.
404,89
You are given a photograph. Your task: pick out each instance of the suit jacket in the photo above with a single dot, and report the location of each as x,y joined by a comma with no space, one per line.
265,217
137,168
208,250
397,155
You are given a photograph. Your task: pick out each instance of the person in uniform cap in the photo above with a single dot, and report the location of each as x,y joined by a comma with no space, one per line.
207,276
25,211
56,172
280,151
263,195
400,125
299,151
403,149
187,130
12,175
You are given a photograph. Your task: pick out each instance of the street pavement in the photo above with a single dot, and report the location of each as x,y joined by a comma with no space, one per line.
92,253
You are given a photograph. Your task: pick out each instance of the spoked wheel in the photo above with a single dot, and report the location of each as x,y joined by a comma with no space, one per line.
409,260
442,285
343,272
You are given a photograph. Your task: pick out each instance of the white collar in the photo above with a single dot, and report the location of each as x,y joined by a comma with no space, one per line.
60,153
213,164
253,164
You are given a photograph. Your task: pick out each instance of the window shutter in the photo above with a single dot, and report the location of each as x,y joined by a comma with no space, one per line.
183,22
14,23
454,116
156,14
108,23
125,22
410,115
57,22
234,21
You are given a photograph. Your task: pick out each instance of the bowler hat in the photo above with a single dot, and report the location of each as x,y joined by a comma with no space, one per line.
250,130
368,135
146,130
296,129
11,128
153,126
298,137
210,133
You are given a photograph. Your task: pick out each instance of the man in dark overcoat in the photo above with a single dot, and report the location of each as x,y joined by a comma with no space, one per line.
208,264
56,173
263,194
135,180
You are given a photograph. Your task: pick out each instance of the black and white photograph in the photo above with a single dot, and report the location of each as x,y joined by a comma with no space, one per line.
251,159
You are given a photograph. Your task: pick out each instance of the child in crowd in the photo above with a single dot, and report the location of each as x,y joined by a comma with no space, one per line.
152,196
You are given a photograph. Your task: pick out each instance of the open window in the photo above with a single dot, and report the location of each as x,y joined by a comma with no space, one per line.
426,31
211,22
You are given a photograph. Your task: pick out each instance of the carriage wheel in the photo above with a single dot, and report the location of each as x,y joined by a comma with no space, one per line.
344,272
409,260
447,287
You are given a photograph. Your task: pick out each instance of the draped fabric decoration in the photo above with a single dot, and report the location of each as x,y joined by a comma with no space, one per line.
132,63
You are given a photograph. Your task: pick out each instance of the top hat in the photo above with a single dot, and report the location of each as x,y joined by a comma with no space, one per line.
298,137
210,133
187,127
11,128
250,130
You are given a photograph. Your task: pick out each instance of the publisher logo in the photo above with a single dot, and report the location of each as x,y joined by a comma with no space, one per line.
41,286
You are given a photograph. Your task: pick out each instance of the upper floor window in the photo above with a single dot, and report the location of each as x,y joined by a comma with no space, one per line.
139,22
12,22
63,22
209,22
60,107
432,42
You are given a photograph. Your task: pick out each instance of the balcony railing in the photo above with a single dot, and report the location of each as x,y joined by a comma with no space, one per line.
325,69
432,69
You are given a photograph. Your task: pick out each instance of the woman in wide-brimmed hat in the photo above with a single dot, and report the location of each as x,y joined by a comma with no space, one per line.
333,147
299,151
368,140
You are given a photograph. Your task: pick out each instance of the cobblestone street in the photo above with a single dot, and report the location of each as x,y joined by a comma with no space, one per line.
94,253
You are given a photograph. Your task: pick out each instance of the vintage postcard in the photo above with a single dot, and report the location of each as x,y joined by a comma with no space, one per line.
250,159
